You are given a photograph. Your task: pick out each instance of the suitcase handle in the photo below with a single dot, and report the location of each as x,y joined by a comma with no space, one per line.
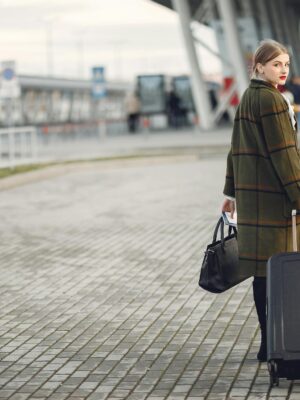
294,229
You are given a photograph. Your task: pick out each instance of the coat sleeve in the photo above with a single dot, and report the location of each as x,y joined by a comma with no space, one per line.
280,139
229,180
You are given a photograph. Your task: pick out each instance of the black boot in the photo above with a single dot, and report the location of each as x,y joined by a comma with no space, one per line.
259,294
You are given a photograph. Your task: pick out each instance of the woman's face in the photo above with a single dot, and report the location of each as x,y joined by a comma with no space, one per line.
275,71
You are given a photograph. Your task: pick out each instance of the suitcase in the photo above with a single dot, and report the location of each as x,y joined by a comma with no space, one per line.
283,313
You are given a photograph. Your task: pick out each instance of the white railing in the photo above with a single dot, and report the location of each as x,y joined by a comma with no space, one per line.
18,145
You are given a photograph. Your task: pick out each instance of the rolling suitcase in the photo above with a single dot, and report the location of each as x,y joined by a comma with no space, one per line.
283,313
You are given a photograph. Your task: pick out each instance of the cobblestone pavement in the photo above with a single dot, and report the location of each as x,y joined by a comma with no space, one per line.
99,296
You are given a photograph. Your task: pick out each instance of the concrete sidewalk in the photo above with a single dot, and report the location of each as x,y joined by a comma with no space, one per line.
119,150
145,143
99,296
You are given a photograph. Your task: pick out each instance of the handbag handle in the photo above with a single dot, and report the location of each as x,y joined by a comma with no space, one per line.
220,225
232,228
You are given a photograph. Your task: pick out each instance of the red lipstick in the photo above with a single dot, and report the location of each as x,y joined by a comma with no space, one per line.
283,77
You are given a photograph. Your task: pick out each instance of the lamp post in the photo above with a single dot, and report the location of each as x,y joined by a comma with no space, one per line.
49,21
118,61
81,53
49,47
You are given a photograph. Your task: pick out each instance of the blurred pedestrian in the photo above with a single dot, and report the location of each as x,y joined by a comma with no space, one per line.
173,109
294,88
133,107
263,172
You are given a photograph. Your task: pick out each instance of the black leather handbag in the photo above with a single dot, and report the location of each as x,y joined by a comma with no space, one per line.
220,266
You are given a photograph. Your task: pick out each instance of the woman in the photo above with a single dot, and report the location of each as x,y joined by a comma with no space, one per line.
263,172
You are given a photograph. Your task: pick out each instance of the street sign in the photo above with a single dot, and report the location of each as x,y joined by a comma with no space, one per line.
98,82
9,84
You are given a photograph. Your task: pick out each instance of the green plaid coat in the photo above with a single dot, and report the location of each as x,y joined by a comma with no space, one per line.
263,174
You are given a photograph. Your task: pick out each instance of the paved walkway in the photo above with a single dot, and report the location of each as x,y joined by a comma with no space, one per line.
143,143
99,296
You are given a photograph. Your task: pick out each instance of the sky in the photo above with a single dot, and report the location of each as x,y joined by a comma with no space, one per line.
65,38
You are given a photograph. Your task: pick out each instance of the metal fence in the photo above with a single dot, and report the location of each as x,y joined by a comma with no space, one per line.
18,146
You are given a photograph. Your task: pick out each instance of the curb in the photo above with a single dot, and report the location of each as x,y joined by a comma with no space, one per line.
151,155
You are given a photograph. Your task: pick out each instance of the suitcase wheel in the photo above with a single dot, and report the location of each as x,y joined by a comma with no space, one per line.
273,371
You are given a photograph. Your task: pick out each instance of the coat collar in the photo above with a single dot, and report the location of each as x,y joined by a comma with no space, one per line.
258,83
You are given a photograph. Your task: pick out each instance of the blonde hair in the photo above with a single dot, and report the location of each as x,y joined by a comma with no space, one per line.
267,50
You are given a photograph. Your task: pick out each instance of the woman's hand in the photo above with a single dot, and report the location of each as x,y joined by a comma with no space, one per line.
228,206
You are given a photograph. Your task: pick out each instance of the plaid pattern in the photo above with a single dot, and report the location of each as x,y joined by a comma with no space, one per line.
263,174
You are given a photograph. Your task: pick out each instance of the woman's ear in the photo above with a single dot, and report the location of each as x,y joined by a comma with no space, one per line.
259,68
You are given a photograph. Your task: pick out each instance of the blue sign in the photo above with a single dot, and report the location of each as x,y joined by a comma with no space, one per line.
98,82
8,74
9,84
